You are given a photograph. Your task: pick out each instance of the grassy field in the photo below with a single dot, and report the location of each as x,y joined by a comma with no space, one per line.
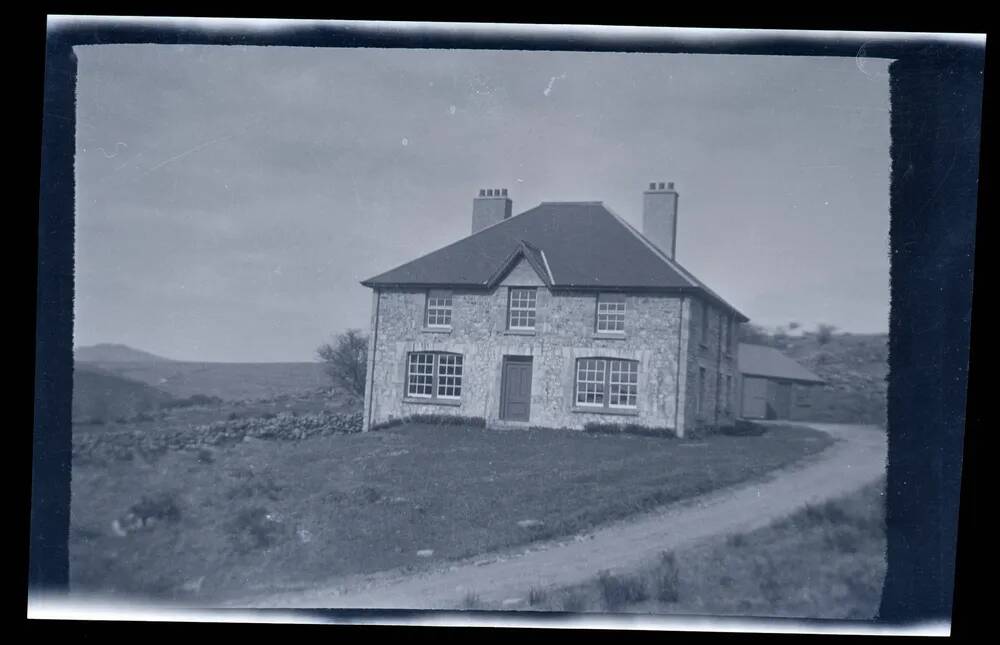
262,516
825,561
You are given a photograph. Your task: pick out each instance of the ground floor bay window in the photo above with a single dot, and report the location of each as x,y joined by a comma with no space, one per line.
606,383
436,376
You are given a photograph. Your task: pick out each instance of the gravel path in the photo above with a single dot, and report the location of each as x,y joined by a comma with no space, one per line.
856,459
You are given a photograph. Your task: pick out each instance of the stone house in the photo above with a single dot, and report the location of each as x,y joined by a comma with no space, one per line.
559,316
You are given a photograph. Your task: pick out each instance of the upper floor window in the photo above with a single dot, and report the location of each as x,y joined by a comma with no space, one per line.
705,311
726,331
607,383
434,375
611,313
521,308
439,305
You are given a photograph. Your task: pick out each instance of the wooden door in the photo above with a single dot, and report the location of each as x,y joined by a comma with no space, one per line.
515,402
754,398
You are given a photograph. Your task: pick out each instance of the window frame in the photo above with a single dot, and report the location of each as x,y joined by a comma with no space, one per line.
439,294
457,376
511,309
703,336
613,298
702,393
631,383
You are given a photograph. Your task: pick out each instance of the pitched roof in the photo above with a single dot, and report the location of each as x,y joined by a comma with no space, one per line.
572,245
760,360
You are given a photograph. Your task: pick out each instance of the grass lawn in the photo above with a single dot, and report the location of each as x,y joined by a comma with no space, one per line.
825,561
263,515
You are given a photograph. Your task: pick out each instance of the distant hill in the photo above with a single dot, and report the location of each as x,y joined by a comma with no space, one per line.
99,395
227,381
115,353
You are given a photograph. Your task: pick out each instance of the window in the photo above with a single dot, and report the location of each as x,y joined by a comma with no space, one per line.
611,313
607,383
729,394
522,309
434,375
438,308
701,390
704,323
724,340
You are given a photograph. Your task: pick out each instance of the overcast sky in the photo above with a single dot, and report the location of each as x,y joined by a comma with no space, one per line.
230,199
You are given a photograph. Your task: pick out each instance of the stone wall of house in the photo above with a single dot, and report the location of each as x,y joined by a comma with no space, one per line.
708,349
564,332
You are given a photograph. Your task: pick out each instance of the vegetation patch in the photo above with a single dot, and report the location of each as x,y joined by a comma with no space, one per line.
371,501
826,561
628,428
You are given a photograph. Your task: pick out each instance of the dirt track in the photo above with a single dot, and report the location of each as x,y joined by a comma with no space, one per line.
856,459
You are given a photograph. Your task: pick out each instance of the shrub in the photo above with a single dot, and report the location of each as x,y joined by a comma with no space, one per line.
253,528
346,361
162,506
255,486
627,428
824,333
744,428
447,419
666,579
619,591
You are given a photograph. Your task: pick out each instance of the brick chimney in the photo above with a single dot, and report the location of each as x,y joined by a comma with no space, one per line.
490,207
659,216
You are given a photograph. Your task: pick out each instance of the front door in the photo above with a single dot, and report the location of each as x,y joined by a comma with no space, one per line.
515,395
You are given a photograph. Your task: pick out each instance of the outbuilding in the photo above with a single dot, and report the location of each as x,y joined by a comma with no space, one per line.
773,386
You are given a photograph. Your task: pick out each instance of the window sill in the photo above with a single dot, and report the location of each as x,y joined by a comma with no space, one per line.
519,332
621,412
436,330
432,401
606,335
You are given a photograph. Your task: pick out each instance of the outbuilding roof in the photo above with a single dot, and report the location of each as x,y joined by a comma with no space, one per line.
760,360
572,245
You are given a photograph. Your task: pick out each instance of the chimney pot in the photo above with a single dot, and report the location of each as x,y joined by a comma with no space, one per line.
652,185
670,185
659,218
492,206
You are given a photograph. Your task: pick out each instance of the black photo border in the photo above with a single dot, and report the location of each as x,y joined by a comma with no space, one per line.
936,92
